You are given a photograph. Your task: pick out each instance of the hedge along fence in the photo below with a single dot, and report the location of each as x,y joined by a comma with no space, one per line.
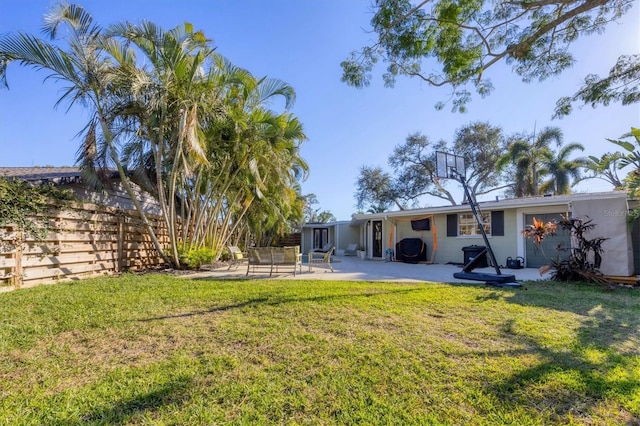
83,240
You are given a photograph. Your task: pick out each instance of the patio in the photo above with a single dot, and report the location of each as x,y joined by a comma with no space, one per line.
353,269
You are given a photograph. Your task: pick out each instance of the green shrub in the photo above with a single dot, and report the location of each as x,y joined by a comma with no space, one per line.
225,256
23,205
194,258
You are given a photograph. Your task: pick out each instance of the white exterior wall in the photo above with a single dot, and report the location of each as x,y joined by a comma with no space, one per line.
610,218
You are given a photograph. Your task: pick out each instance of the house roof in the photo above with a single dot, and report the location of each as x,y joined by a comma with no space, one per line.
509,203
325,224
58,175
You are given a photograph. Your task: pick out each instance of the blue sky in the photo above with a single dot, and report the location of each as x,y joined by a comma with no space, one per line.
303,43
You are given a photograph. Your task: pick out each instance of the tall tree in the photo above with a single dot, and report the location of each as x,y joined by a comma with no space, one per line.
605,167
468,37
88,69
414,164
316,214
415,174
528,154
198,132
375,190
481,145
167,99
560,170
630,142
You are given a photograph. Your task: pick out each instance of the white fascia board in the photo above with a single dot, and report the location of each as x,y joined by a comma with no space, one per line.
518,203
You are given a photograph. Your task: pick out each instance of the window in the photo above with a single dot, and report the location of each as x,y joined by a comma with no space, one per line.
465,225
468,226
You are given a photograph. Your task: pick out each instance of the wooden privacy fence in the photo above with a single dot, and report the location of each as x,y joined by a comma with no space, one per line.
83,240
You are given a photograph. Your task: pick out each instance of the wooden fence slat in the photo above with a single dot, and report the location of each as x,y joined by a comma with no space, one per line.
66,259
71,271
85,239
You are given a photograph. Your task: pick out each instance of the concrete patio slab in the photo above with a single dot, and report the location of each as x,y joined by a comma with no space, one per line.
353,269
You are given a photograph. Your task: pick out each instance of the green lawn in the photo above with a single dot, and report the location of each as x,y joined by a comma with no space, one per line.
157,349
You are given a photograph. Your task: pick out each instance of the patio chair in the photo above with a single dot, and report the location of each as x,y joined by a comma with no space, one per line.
236,256
351,250
325,248
318,259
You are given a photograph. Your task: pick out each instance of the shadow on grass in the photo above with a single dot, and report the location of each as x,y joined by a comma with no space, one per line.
276,300
122,412
599,365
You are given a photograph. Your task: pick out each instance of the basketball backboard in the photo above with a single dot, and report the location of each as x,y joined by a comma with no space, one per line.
449,166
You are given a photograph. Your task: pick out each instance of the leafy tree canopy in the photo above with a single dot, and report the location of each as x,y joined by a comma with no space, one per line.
314,214
621,85
414,167
630,157
468,37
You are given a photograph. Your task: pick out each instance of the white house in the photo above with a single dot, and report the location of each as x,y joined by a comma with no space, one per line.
449,232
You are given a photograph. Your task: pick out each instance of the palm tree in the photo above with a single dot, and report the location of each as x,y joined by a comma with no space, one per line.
606,168
168,99
527,155
87,66
630,158
560,169
197,130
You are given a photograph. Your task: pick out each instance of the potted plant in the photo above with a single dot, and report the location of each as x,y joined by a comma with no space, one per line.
362,253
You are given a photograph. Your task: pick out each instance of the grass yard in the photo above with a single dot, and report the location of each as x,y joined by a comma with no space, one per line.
157,349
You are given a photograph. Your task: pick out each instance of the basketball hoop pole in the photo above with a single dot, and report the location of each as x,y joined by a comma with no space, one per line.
451,166
460,178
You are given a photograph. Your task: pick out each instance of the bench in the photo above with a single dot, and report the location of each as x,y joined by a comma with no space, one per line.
274,257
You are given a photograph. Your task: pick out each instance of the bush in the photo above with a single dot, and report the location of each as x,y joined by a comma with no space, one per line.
584,258
23,204
194,258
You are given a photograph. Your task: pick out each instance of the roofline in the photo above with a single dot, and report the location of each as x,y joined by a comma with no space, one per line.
537,201
325,224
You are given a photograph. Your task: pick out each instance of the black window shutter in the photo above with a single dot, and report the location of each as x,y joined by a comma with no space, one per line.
497,223
452,225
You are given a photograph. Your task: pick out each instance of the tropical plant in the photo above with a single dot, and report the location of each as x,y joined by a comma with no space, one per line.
528,154
585,256
194,258
182,122
88,68
167,99
539,230
560,170
605,167
630,158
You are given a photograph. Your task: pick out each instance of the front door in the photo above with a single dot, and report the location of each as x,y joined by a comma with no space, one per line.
538,256
377,238
320,237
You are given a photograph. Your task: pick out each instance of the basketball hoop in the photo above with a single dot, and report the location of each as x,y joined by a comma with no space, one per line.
449,166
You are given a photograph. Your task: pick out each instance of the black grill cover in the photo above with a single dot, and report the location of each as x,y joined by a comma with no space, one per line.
411,250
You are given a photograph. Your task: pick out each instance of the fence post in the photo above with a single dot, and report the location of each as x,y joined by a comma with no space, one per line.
120,254
18,278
